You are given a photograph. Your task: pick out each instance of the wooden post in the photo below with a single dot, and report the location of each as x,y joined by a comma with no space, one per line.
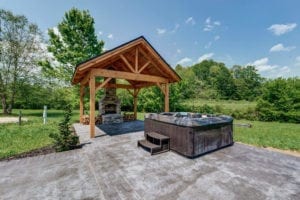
135,96
167,97
92,105
81,110
135,105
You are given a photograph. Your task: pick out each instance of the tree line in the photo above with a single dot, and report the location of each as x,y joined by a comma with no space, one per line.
35,72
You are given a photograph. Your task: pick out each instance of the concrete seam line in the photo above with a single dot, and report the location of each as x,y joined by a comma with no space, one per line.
94,174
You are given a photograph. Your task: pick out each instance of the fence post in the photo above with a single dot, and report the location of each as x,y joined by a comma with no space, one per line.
45,114
20,117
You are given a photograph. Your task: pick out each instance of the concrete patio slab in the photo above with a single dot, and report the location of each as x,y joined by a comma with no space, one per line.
113,167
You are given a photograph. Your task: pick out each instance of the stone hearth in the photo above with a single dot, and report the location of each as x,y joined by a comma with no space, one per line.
110,106
112,118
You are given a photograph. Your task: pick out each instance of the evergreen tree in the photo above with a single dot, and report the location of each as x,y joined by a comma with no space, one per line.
65,139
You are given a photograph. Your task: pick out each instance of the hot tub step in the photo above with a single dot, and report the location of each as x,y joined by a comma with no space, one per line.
153,148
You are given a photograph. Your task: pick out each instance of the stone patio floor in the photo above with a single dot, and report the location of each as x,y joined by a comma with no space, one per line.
113,167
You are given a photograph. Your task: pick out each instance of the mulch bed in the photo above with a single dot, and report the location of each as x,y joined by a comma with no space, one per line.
35,152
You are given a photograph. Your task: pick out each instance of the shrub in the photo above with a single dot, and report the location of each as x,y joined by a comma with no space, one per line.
280,100
65,139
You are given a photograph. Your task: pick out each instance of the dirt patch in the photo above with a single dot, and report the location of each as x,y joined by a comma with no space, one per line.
35,152
289,152
293,153
4,120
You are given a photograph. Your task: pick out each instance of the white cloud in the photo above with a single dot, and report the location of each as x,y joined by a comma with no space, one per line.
176,27
205,57
161,31
208,45
281,47
110,36
209,25
217,23
262,65
298,61
285,69
185,61
207,21
190,20
217,37
100,33
280,29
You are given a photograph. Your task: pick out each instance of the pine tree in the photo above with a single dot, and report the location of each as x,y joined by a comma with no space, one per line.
65,139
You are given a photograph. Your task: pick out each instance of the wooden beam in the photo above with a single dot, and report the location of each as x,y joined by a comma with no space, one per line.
136,59
144,67
136,92
112,85
85,80
109,55
144,85
146,55
92,105
135,97
127,63
167,97
130,92
103,84
81,103
161,88
129,76
158,59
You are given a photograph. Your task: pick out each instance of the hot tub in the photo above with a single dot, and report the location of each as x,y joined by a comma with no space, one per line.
192,134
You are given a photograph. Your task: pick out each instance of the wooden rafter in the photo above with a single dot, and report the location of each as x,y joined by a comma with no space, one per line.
85,80
162,88
110,54
127,63
136,59
129,76
146,56
144,67
103,84
130,92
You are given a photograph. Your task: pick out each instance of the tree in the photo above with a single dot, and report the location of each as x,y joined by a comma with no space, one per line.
280,100
19,52
216,78
248,82
65,139
71,42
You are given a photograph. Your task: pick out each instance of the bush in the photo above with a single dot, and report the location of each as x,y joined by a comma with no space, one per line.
280,101
65,139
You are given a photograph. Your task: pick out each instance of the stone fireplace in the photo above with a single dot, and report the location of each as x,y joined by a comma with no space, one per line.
110,106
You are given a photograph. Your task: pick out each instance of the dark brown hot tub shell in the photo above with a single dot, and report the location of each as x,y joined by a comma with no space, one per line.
193,140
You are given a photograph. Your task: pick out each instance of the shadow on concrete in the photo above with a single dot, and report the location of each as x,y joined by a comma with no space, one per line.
122,128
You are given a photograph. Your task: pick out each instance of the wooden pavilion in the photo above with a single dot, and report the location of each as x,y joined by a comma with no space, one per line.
136,61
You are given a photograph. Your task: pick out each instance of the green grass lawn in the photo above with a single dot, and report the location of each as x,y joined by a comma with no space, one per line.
227,105
284,136
15,139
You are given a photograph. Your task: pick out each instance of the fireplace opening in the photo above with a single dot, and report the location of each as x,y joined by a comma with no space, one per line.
110,109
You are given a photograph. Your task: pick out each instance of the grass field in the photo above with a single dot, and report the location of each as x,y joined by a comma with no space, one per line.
15,139
227,105
284,136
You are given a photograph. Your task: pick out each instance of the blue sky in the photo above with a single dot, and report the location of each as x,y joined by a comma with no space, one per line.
262,33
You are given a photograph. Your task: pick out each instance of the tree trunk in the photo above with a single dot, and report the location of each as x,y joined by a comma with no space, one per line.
4,105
